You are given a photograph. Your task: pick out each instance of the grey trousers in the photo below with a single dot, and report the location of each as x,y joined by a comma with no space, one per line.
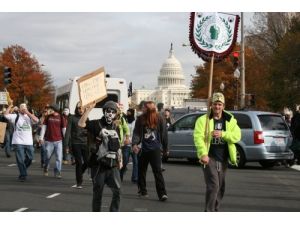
214,174
110,177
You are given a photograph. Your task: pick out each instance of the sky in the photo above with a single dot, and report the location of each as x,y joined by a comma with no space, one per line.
75,39
131,45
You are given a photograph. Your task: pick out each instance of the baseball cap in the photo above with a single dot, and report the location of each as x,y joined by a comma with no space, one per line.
218,97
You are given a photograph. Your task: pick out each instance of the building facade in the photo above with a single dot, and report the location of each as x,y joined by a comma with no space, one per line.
171,89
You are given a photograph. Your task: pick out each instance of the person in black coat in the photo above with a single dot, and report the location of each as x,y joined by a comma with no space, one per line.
76,140
295,129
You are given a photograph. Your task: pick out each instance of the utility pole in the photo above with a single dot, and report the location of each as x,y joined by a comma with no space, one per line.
242,68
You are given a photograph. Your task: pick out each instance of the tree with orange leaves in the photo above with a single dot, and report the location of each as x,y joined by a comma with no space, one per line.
29,82
223,73
256,80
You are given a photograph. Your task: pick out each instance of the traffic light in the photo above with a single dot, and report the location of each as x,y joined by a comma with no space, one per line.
236,56
7,75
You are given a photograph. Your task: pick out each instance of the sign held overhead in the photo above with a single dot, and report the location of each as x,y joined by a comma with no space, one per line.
92,87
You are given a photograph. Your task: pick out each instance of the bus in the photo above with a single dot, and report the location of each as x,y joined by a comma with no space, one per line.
67,96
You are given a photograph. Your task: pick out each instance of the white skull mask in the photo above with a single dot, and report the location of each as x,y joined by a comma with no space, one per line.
109,115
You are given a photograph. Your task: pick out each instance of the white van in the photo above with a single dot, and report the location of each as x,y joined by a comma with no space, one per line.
67,96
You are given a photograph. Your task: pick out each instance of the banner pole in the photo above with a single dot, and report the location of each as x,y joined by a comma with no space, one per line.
207,131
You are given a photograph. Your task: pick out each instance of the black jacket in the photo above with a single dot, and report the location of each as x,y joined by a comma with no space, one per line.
74,133
295,126
161,129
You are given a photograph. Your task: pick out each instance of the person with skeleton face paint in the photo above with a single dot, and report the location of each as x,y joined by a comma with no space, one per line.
109,114
104,133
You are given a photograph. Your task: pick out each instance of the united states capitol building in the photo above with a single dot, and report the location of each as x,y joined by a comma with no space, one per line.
171,89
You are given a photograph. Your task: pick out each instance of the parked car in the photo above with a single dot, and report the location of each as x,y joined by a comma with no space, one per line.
265,138
179,112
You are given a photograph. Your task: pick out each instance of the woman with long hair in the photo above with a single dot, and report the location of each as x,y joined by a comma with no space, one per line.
150,131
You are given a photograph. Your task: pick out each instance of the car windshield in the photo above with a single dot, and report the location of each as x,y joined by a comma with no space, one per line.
272,122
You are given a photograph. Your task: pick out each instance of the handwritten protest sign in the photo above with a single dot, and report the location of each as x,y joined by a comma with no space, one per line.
92,87
2,131
3,98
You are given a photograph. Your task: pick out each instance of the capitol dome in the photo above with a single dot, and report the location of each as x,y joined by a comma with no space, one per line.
171,74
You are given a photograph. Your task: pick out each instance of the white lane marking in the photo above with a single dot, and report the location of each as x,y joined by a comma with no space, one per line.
296,167
53,195
21,210
10,165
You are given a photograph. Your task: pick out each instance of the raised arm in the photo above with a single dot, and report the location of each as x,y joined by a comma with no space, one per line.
88,109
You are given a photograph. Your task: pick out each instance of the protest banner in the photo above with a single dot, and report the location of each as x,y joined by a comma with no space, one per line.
92,87
2,131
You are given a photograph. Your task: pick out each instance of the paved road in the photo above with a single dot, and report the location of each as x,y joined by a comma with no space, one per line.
250,189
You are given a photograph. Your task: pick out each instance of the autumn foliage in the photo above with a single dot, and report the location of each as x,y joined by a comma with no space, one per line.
224,73
29,82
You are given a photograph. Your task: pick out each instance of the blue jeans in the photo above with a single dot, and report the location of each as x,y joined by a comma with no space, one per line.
43,154
134,175
126,152
56,148
24,156
7,141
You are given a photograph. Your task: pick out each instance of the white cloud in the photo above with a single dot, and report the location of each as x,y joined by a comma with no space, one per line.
128,45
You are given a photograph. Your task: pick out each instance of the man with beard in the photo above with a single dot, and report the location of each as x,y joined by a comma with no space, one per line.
108,156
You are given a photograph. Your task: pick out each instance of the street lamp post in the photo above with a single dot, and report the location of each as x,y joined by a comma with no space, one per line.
243,88
236,75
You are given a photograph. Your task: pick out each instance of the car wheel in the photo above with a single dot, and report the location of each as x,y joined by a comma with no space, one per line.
240,157
267,164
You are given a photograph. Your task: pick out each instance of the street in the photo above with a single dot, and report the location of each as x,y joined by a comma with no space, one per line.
252,189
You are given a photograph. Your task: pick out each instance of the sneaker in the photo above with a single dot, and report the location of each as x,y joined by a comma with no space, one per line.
46,173
163,198
58,175
143,195
65,162
22,178
78,186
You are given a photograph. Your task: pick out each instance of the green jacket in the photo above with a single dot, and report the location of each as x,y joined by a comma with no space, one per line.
124,130
231,135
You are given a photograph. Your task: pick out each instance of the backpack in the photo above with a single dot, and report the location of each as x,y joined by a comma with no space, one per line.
107,154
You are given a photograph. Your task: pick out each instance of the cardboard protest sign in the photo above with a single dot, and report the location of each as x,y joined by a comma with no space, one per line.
92,87
3,98
2,131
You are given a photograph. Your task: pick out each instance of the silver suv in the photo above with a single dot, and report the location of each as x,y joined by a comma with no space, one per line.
265,138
